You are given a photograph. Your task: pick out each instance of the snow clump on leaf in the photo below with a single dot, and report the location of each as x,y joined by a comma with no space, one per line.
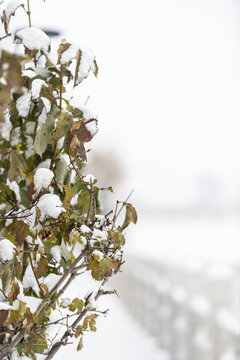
42,179
33,39
6,250
50,206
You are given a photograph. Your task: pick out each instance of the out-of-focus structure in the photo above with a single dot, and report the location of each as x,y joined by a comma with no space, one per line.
191,314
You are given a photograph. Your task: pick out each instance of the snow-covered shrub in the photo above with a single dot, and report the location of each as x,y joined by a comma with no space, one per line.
51,228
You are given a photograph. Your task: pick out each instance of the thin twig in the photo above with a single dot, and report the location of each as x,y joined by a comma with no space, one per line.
73,165
72,277
124,204
115,214
65,336
9,347
90,203
29,14
61,86
5,36
56,321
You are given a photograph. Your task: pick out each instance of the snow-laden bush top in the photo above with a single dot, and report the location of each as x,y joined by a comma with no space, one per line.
51,228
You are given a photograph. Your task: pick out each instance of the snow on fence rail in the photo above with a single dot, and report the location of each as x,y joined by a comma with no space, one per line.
190,314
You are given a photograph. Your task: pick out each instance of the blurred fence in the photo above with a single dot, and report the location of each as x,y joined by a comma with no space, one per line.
191,313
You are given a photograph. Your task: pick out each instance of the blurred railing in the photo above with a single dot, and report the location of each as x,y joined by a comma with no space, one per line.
191,313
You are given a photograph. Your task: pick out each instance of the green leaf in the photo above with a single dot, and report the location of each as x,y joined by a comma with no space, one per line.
35,343
61,172
43,135
68,196
79,304
15,290
103,268
131,216
64,125
118,239
89,322
18,166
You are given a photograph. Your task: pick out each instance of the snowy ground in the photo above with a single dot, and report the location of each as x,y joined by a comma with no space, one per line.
118,336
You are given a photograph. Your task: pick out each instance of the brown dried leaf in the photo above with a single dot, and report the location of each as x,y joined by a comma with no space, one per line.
42,267
79,129
38,215
62,48
78,331
3,316
15,290
20,230
80,344
131,216
18,166
75,144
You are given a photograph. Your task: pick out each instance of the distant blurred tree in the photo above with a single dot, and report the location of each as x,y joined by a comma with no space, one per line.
50,224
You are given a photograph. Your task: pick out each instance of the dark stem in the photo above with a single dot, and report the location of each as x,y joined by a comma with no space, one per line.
5,36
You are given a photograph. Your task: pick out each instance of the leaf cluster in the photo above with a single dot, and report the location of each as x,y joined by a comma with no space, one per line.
50,219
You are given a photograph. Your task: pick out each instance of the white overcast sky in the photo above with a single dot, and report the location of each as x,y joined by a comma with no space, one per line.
168,93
